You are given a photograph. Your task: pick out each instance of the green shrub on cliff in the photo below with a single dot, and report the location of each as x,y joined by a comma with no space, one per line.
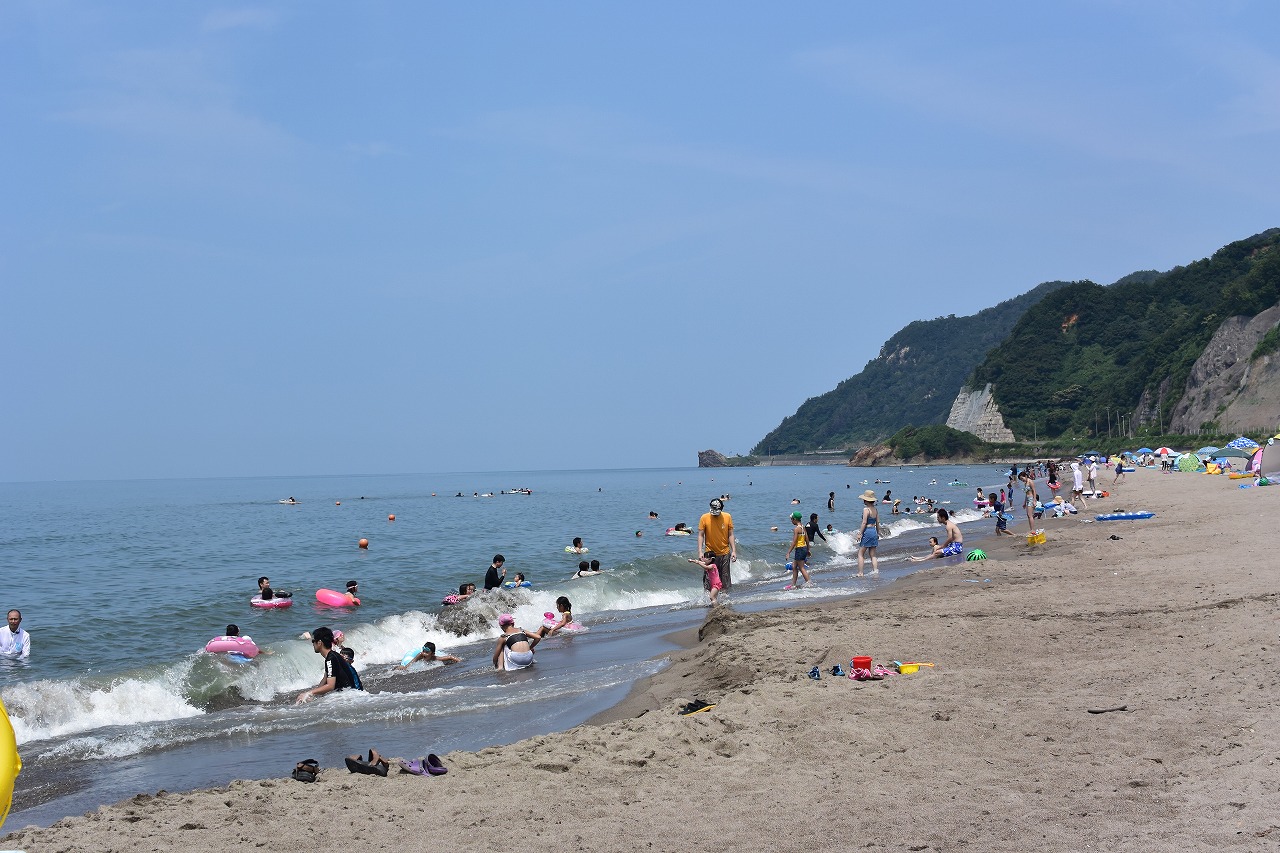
937,441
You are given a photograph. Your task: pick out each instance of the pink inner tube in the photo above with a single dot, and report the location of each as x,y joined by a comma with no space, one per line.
237,645
271,602
573,627
335,599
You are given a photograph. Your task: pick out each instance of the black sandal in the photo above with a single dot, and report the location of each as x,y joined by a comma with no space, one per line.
306,771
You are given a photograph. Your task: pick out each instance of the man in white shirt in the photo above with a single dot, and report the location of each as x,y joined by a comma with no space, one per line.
1093,475
15,642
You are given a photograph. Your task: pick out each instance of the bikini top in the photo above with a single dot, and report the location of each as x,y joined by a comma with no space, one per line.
517,637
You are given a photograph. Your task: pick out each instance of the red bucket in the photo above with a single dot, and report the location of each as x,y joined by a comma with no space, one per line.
862,663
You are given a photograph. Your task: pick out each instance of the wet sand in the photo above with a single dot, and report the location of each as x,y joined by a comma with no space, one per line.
994,748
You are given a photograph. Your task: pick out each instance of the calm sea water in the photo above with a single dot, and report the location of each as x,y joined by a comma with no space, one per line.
122,583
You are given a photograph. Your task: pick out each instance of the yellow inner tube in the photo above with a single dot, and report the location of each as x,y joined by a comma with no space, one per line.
10,763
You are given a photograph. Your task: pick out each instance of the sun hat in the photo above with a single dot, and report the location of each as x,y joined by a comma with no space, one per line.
506,619
796,516
869,496
716,505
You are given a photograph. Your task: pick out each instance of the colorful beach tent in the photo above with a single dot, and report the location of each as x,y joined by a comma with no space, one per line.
1255,464
1243,443
1269,464
1189,462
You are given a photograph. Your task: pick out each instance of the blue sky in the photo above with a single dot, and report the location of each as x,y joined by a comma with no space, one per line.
310,238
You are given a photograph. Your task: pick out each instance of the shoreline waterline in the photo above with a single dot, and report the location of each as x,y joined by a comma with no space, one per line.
1002,719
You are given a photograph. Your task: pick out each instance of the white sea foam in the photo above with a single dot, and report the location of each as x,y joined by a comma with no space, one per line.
46,709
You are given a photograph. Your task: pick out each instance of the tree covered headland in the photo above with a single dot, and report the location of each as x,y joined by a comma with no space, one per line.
913,380
1086,348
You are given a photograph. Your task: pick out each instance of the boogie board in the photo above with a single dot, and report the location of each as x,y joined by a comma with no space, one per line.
1124,516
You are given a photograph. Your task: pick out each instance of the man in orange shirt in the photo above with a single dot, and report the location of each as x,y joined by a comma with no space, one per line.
715,534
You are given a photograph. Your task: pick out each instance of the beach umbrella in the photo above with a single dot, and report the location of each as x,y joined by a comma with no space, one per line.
1243,443
1236,453
1089,453
1207,449
1144,450
1164,451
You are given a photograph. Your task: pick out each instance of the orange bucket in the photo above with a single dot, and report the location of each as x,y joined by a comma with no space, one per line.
861,663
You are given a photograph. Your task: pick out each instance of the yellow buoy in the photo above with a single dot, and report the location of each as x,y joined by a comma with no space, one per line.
10,763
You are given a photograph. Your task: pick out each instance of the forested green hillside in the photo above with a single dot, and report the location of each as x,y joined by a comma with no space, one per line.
913,380
1086,348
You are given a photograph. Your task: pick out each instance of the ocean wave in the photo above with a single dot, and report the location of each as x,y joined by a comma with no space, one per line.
46,709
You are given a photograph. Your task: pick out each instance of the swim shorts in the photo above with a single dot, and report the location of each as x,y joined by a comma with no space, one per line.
518,660
955,549
802,553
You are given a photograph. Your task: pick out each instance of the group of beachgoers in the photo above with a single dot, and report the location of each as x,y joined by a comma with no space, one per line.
716,552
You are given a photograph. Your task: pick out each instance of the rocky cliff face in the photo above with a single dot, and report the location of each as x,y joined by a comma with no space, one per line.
976,412
1226,387
712,459
872,455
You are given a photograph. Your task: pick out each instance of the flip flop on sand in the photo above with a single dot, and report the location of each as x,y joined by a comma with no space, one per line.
815,675
836,670
696,706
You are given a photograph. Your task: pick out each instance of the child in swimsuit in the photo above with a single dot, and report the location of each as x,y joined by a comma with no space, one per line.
565,606
711,574
515,648
428,655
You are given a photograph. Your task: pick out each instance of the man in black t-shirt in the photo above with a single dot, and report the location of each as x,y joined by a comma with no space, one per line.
496,574
337,672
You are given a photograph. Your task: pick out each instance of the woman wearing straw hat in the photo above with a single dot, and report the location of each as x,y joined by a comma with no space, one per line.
869,533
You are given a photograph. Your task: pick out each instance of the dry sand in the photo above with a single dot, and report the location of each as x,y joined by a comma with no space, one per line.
994,749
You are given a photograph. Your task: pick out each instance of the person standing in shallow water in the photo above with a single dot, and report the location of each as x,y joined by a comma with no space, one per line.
715,534
496,573
869,533
14,642
831,502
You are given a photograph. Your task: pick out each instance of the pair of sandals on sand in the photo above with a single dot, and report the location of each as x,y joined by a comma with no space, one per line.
376,765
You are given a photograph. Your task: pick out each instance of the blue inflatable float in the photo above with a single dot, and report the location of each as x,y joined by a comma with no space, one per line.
1124,516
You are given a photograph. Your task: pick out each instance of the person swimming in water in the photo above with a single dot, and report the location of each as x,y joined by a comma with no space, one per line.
428,655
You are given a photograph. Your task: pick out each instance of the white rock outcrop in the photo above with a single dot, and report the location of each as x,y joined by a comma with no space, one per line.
976,412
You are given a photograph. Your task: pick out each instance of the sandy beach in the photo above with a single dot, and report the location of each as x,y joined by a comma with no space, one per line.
993,748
